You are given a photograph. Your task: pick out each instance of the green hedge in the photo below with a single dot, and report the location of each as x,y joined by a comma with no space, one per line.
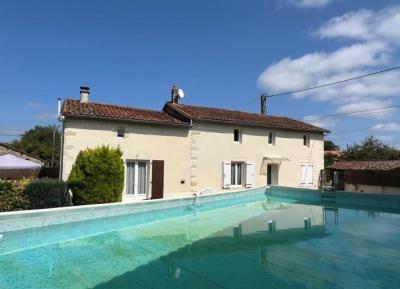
47,193
97,176
12,197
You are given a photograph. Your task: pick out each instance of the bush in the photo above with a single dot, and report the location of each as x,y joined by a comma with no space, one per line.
97,176
47,193
12,197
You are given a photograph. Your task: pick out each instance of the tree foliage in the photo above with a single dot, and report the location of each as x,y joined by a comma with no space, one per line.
370,148
12,197
38,142
330,146
47,193
97,176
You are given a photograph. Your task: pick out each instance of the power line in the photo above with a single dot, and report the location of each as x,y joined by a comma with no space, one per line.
365,111
335,82
322,85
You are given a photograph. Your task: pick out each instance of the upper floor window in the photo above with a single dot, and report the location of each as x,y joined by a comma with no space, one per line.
121,132
271,138
306,140
237,135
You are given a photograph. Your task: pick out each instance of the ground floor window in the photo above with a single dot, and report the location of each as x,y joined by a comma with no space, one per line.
237,174
137,178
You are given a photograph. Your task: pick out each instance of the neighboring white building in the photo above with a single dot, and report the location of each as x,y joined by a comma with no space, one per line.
184,149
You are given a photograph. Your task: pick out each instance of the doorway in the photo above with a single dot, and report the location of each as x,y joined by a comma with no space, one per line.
272,174
137,180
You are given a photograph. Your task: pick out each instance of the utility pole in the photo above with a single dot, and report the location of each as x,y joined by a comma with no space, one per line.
53,145
263,104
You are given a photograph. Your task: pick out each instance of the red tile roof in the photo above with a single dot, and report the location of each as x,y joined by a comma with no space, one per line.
382,165
239,117
107,111
181,115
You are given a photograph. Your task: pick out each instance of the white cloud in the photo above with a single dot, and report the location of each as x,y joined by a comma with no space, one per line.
306,3
365,25
45,116
327,123
33,104
375,47
391,126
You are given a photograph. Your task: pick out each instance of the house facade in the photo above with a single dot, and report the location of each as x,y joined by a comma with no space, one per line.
184,149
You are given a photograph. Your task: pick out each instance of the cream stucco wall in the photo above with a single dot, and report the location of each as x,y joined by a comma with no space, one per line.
211,144
194,156
141,142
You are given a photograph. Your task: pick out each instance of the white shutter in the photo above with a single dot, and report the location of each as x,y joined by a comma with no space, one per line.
306,174
226,174
249,174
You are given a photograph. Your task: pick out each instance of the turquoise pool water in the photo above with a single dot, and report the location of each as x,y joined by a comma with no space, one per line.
221,245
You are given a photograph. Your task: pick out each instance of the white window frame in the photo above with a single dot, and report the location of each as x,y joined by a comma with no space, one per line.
135,195
236,172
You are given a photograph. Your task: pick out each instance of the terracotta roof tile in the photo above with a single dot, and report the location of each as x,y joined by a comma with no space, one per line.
383,165
239,117
97,110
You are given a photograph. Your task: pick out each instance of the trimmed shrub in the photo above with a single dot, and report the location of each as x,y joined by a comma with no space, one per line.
47,193
12,197
97,176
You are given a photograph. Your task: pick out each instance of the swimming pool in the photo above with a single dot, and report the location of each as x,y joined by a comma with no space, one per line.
221,244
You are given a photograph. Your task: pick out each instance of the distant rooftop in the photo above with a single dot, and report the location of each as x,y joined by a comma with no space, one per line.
381,165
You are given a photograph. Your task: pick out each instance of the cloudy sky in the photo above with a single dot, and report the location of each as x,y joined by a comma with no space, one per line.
222,53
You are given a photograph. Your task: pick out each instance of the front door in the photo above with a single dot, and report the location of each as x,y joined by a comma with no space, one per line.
136,180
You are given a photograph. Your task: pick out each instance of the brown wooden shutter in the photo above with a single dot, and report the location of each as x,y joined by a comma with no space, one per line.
157,180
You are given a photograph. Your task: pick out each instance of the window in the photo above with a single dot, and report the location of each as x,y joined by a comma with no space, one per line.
137,178
121,132
305,140
237,136
271,138
236,174
306,174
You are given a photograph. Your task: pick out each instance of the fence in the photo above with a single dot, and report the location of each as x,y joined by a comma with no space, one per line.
13,174
375,178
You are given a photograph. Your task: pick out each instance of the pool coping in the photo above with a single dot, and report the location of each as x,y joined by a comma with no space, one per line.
19,220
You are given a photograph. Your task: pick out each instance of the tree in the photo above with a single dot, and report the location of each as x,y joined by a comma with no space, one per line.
330,146
97,176
369,149
38,142
329,159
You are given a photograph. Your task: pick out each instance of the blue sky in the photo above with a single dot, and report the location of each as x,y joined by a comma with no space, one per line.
222,53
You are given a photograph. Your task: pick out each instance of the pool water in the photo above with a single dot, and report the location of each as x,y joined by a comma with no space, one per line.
211,247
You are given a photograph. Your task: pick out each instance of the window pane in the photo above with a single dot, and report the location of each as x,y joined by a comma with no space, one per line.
270,138
142,178
236,135
233,173
239,174
130,177
304,140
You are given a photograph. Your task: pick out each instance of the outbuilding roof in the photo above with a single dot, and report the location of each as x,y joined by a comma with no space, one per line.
381,165
239,117
109,111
